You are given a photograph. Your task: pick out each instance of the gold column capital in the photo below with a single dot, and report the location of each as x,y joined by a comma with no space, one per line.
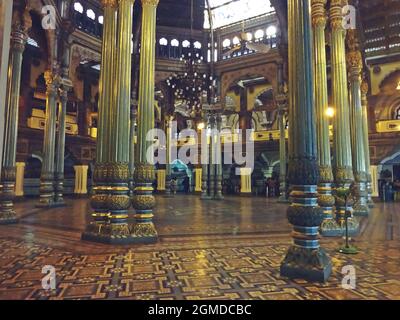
109,3
150,2
336,14
319,17
364,87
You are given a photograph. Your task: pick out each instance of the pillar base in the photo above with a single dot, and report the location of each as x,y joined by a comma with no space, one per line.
46,205
283,199
246,194
330,228
107,239
8,218
205,197
361,211
144,233
308,264
219,197
371,204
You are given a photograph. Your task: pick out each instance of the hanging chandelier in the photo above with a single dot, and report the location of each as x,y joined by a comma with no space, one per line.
189,87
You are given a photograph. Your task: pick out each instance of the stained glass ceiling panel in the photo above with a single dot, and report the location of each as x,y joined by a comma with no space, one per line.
226,12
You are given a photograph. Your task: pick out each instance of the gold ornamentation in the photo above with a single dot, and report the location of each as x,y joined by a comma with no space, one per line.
143,202
109,3
319,17
8,174
150,2
344,175
325,174
143,230
144,173
325,200
118,202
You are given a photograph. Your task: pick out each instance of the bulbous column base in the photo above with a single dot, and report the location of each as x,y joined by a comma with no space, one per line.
59,191
308,264
46,191
7,196
168,193
329,227
144,231
360,208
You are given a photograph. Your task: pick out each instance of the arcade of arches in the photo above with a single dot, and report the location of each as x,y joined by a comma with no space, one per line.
308,94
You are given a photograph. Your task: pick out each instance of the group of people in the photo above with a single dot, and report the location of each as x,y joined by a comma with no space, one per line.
389,191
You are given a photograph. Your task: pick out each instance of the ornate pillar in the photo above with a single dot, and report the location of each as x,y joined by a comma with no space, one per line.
132,134
168,193
7,193
329,227
143,200
205,161
354,60
48,168
59,174
212,165
282,110
219,166
96,229
364,103
343,170
305,258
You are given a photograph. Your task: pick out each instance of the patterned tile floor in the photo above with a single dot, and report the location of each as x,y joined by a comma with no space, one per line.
190,261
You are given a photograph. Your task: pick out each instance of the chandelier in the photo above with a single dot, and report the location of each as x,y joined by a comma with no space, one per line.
189,87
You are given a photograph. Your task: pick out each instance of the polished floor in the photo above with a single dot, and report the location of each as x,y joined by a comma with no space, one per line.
207,250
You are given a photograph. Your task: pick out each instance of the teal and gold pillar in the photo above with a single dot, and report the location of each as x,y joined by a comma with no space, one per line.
354,60
329,227
8,172
343,170
219,166
282,111
59,173
47,194
144,231
364,103
168,122
212,165
132,147
118,202
96,229
205,161
305,259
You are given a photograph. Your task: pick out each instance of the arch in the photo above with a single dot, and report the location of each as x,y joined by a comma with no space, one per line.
175,43
78,7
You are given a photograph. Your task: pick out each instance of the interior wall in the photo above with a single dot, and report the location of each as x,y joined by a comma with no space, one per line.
5,29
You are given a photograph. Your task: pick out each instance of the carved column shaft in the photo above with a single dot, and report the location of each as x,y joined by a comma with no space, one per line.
48,165
305,258
354,59
219,166
7,214
364,102
343,171
329,226
97,229
59,174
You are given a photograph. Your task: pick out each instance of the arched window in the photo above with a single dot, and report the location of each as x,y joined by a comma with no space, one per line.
90,14
249,36
226,43
397,115
197,45
163,42
174,43
186,44
271,32
236,40
259,34
101,19
78,7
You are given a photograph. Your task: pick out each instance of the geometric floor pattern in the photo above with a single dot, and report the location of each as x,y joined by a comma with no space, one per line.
236,268
207,250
